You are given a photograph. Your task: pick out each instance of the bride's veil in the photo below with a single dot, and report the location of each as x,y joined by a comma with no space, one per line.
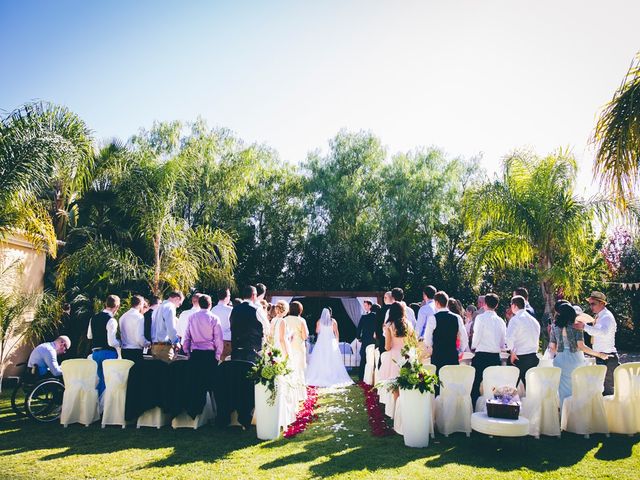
325,317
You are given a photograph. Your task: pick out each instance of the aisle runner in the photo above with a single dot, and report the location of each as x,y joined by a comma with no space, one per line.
305,415
379,427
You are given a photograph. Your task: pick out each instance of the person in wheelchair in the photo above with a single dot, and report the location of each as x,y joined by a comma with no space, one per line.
43,360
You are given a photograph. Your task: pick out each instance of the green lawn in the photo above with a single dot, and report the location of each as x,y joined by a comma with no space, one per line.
339,444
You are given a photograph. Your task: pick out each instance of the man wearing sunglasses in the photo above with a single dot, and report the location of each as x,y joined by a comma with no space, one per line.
45,356
603,336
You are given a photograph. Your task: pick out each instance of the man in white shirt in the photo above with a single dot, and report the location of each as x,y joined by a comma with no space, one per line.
164,335
132,331
489,331
523,335
603,336
398,296
223,311
261,291
183,319
426,311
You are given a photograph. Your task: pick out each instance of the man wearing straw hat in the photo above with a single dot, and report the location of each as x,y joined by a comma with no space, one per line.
603,333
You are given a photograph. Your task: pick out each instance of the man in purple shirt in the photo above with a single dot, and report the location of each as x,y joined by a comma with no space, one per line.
203,342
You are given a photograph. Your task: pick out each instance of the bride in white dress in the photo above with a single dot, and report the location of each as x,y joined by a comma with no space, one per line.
326,368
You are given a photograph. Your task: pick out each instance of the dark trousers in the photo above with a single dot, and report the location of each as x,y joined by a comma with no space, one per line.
133,354
480,361
611,363
246,354
524,363
204,365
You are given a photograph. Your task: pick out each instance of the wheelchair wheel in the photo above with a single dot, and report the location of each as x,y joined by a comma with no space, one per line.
18,400
44,403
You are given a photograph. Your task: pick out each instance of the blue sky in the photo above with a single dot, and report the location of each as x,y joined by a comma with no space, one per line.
468,76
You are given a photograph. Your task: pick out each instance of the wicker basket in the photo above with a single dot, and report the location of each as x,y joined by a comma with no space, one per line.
509,411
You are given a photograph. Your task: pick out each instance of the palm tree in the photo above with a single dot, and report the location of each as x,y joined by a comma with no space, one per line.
45,160
531,216
617,138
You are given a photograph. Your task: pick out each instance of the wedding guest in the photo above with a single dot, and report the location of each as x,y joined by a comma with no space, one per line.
365,332
567,342
236,301
102,333
455,306
523,335
398,296
297,326
444,332
524,293
396,330
468,321
279,327
508,314
427,310
246,328
44,357
154,303
165,341
183,319
603,336
132,331
203,342
489,331
481,306
223,311
381,315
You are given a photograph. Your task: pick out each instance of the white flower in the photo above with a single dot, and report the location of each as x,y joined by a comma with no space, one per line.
412,354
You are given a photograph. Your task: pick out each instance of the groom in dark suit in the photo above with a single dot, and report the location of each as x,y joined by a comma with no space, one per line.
246,329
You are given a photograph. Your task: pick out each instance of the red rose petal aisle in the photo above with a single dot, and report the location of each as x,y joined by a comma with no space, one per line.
305,415
377,422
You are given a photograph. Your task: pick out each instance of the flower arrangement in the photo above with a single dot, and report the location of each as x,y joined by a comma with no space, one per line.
270,365
506,395
504,404
413,374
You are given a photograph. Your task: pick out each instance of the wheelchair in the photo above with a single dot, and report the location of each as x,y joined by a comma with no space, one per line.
37,397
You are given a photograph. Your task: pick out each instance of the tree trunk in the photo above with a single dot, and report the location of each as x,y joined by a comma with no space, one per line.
156,267
549,297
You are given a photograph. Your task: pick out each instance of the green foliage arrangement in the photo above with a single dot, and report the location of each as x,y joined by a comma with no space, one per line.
413,374
270,365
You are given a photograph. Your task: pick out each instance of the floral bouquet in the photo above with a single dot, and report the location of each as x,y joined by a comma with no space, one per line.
504,404
413,374
270,365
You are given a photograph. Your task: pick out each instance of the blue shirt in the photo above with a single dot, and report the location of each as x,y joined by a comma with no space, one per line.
45,357
164,322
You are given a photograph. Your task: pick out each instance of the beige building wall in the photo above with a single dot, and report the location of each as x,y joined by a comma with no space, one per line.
28,276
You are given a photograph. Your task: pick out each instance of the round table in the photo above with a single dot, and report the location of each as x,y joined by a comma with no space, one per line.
499,427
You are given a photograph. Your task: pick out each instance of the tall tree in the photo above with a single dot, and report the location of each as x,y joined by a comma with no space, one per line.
617,138
532,216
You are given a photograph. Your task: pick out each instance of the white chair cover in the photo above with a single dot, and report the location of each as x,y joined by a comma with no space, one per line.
376,362
542,404
623,407
583,412
453,406
369,365
544,362
80,400
397,417
154,417
185,421
355,356
495,377
116,374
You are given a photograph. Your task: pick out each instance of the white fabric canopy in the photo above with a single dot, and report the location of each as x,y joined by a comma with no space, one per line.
354,309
